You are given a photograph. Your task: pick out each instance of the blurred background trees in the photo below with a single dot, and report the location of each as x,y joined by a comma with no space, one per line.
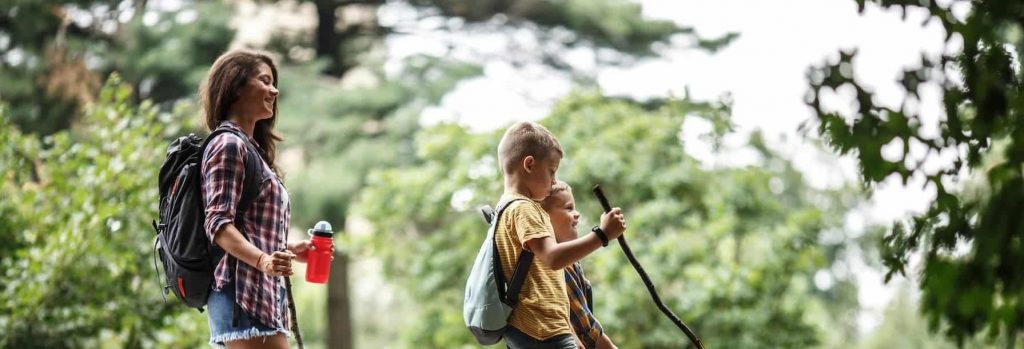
736,249
54,56
750,256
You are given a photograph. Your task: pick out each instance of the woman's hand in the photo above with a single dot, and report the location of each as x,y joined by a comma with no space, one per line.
301,249
277,264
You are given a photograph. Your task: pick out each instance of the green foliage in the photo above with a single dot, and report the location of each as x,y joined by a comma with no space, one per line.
30,62
167,60
609,23
54,54
970,236
731,252
903,327
77,244
732,256
346,133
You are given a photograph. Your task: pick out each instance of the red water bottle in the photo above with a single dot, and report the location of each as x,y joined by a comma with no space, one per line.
318,263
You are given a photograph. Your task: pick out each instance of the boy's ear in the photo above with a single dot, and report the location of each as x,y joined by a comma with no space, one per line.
528,163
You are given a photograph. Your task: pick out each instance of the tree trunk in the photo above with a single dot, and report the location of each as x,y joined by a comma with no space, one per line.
328,41
339,314
332,37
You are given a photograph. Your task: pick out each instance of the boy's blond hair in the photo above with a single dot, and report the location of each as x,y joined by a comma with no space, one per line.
559,187
524,139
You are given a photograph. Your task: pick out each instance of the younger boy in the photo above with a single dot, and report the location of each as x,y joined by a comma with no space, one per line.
561,207
529,155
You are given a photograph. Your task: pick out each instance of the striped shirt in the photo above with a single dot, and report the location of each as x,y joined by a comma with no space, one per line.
265,223
543,309
581,309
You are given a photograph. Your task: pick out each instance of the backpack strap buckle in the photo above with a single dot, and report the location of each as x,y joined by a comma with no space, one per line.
158,227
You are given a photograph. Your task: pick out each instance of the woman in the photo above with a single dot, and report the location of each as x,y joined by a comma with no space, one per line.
246,308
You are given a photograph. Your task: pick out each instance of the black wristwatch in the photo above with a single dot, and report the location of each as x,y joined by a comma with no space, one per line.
600,234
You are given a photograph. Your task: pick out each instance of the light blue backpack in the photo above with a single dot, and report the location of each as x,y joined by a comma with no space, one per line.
489,301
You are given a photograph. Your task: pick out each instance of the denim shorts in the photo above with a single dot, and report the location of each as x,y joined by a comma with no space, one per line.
220,308
516,339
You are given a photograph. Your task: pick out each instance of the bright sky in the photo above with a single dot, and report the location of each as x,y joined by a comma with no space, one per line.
763,72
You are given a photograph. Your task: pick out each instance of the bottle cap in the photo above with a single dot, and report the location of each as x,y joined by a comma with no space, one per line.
322,229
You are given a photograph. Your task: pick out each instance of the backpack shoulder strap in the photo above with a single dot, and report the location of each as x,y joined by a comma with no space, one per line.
509,293
252,178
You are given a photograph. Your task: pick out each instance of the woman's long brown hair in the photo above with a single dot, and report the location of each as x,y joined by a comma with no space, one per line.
222,87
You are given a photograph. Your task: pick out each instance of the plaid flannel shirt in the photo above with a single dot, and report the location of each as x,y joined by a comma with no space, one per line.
265,223
581,315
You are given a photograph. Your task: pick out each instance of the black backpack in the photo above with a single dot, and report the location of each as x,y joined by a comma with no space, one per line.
187,254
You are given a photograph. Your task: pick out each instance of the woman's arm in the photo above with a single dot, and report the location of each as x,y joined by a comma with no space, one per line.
223,174
232,241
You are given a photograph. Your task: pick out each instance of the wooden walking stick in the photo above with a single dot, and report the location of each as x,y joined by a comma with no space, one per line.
646,279
291,310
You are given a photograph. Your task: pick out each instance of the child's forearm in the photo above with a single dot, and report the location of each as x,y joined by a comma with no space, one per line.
605,343
558,256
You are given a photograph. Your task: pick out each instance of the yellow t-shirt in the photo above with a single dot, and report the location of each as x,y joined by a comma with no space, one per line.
543,309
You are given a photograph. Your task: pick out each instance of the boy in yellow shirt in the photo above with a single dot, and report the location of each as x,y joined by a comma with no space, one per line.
529,156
